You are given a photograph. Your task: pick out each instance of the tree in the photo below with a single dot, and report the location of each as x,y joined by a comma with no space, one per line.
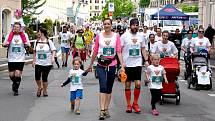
122,8
144,3
29,8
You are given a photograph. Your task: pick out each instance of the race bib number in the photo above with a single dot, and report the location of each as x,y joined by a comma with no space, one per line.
16,49
64,41
75,80
157,79
134,52
199,48
42,56
108,51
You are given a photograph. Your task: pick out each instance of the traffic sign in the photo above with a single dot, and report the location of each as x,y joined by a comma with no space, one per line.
111,7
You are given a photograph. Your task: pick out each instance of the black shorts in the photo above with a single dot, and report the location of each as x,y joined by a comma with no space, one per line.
42,71
133,73
12,66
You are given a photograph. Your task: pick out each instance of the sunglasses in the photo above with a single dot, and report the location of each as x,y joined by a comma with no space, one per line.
201,31
190,33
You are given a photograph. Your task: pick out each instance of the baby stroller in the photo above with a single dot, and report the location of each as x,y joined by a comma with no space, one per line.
201,73
188,65
171,90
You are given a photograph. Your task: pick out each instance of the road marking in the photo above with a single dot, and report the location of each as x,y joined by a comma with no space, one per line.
212,95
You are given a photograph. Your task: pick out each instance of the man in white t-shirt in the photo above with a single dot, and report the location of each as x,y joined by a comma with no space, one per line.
199,43
133,47
16,58
65,45
158,36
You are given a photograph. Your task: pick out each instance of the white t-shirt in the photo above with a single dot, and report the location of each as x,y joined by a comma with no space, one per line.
158,38
107,46
16,52
186,43
167,49
14,20
44,53
76,79
146,36
199,44
156,76
65,39
131,49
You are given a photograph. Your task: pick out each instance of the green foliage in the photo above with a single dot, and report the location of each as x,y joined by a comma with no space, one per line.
95,18
31,33
187,8
29,8
48,24
122,8
144,3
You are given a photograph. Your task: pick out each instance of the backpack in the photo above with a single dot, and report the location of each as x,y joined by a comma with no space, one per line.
76,38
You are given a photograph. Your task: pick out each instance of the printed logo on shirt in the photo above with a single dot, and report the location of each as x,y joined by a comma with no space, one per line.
41,46
108,50
17,41
200,43
16,49
75,80
157,72
42,56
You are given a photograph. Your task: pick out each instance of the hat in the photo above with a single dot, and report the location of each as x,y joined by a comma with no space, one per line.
134,21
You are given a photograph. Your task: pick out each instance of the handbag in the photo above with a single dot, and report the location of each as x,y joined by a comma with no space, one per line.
105,61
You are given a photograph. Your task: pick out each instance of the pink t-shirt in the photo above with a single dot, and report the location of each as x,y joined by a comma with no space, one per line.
103,42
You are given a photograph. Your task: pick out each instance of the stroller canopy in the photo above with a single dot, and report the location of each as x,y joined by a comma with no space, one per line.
169,12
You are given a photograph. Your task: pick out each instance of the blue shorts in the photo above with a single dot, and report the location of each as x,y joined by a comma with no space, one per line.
64,50
76,94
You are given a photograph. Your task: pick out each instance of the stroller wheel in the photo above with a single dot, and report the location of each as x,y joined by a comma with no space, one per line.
188,82
185,75
178,98
161,100
210,85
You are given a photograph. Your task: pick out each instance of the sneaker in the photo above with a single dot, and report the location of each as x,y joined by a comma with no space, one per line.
102,115
107,114
136,108
155,112
77,112
15,93
72,107
129,109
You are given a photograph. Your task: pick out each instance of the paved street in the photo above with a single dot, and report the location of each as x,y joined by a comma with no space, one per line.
195,105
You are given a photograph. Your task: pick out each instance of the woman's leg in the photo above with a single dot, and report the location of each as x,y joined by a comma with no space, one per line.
45,73
38,81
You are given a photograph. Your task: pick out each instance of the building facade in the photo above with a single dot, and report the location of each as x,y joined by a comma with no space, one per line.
54,10
95,7
206,13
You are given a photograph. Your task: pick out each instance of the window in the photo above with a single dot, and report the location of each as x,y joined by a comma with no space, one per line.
96,7
90,1
94,14
96,1
90,14
90,7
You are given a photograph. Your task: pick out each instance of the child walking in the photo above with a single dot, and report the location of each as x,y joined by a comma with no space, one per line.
155,75
76,86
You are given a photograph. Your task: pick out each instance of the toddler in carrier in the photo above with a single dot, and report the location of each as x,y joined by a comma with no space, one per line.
17,18
76,86
155,75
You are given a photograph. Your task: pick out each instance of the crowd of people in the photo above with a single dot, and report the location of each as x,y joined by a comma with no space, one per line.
127,45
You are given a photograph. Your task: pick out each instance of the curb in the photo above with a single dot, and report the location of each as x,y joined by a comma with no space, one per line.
5,66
